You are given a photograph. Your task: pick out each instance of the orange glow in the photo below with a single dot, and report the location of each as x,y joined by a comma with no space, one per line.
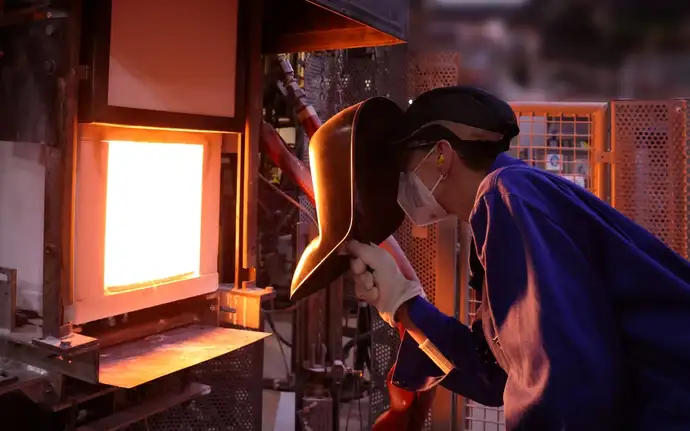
153,214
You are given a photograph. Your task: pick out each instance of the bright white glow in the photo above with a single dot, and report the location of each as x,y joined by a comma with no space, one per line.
153,214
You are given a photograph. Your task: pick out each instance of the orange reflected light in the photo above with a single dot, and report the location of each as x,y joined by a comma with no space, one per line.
153,214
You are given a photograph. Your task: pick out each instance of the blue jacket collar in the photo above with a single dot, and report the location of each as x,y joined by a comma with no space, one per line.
503,160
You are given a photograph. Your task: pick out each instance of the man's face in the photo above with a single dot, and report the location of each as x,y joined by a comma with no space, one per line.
442,171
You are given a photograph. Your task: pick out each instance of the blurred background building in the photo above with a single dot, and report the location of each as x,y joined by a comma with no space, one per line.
563,50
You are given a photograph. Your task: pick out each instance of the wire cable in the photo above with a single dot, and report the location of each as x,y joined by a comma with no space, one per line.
288,198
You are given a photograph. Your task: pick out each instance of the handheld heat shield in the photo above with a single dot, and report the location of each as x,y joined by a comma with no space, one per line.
355,177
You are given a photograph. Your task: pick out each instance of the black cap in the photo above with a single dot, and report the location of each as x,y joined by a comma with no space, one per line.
471,119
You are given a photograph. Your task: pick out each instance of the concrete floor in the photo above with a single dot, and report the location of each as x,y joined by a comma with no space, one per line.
279,407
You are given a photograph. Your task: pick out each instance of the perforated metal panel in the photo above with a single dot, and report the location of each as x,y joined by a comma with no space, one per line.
385,342
432,70
650,177
422,253
234,403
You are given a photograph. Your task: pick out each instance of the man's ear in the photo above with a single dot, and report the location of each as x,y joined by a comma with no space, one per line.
445,156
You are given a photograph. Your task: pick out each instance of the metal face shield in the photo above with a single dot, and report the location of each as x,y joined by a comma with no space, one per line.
355,180
417,200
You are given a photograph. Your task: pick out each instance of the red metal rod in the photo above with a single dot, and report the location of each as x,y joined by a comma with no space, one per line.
273,145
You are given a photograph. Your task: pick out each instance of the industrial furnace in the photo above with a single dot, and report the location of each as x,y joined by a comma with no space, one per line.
146,219
128,190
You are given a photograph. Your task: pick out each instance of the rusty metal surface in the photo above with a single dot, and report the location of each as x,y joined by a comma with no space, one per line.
648,140
60,182
33,55
8,298
141,361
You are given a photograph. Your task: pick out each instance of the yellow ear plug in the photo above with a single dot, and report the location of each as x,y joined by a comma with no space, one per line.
441,159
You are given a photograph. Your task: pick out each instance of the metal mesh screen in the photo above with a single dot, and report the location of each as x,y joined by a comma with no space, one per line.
234,403
650,177
560,141
432,70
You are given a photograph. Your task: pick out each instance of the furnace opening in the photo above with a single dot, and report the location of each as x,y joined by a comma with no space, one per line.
153,214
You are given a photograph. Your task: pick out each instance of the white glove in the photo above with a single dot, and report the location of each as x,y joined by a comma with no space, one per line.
386,288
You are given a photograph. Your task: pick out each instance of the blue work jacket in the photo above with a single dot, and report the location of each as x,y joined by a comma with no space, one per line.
585,316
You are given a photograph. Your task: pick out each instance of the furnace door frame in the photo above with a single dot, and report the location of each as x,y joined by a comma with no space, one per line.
93,91
90,301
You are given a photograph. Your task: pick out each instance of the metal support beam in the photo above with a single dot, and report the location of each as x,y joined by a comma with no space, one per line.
60,186
248,153
443,411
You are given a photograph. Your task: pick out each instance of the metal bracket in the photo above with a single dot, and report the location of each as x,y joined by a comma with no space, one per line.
607,157
79,359
73,355
242,307
68,345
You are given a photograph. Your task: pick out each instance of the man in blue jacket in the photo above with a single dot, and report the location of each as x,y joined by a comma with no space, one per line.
585,322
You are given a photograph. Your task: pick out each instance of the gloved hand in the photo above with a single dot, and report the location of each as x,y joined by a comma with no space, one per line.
386,288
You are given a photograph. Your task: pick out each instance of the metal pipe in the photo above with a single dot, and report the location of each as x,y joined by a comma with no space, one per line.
546,108
601,155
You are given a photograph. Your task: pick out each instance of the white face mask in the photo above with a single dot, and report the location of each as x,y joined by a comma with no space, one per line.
417,200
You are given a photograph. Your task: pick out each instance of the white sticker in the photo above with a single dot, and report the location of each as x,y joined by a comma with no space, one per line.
553,162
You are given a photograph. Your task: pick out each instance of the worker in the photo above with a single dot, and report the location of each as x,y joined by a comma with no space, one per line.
585,316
